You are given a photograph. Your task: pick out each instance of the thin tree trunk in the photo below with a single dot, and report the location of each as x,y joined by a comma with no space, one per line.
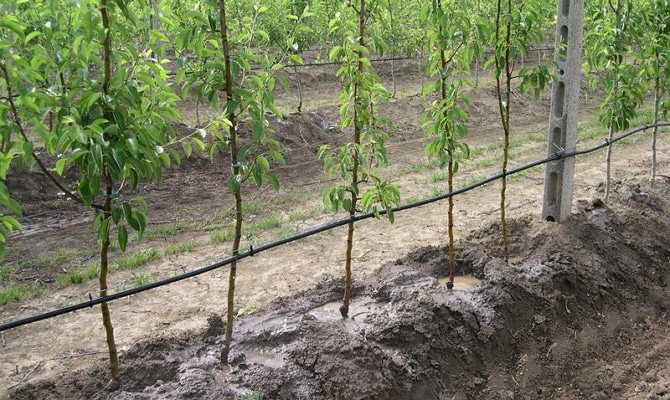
610,134
237,193
393,53
297,76
450,167
344,309
393,77
104,307
106,214
608,162
654,131
504,107
450,223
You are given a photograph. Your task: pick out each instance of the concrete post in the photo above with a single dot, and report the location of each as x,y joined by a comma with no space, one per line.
564,108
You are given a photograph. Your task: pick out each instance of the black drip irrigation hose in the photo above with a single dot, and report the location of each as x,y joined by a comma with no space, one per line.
92,302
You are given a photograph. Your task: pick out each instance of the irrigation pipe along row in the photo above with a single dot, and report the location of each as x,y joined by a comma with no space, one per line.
251,252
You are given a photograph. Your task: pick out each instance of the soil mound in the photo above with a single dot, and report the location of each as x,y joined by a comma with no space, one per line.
576,313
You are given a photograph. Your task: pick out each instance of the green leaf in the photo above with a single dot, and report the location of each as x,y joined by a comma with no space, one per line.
198,143
9,22
234,183
133,146
141,202
123,237
117,213
60,166
141,221
94,185
187,148
273,181
257,172
103,231
127,211
31,36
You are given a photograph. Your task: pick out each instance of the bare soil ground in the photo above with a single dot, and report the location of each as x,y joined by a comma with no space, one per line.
580,310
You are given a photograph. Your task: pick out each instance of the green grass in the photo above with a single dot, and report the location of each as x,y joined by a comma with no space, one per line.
221,236
413,199
250,208
213,226
73,276
10,293
287,231
303,214
153,233
138,279
438,176
134,260
7,270
328,232
426,164
472,182
214,222
51,261
273,221
20,293
280,200
92,271
435,191
250,396
180,248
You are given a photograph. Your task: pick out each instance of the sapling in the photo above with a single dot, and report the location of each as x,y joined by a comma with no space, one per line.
226,66
112,121
446,118
518,26
359,160
608,43
655,68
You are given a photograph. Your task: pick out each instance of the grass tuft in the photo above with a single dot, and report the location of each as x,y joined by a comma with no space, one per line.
221,236
20,293
134,260
180,248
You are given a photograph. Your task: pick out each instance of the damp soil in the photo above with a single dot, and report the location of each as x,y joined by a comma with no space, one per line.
579,312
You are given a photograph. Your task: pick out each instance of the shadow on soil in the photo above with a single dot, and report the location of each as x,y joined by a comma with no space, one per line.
572,300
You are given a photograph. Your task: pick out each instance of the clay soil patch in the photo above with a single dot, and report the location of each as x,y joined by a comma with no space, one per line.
582,314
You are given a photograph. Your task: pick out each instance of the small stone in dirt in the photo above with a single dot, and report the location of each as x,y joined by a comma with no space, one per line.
236,358
113,385
597,203
344,310
450,285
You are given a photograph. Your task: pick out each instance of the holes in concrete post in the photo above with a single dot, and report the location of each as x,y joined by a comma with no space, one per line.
565,7
558,100
557,139
552,189
563,43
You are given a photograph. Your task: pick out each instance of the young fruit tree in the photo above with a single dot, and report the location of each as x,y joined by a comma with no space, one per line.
445,120
613,34
518,26
358,161
229,62
97,106
655,68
